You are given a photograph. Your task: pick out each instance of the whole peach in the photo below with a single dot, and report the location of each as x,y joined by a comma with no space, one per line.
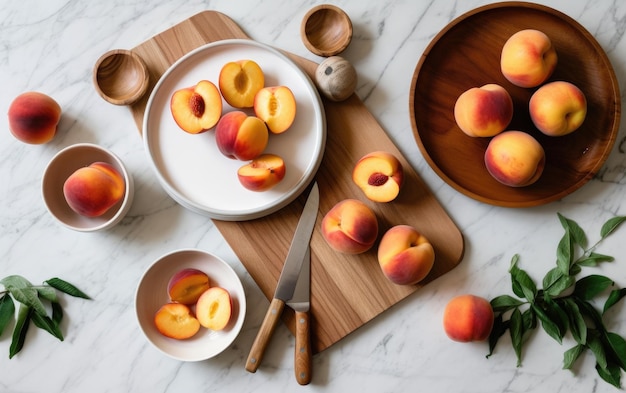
350,227
33,117
558,108
515,158
405,255
240,136
528,58
92,190
468,318
484,111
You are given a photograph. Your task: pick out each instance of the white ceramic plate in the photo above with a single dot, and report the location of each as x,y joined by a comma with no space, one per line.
192,170
152,294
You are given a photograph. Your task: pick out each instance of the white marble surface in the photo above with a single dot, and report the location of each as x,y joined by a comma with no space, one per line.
51,46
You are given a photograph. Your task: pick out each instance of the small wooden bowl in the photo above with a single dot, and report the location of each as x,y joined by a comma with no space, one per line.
121,77
326,30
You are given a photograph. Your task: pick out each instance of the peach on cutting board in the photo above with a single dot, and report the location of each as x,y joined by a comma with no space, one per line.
240,136
33,117
468,318
262,173
276,106
198,108
350,227
405,255
214,308
528,58
186,286
239,81
515,158
558,108
379,175
484,111
175,320
92,190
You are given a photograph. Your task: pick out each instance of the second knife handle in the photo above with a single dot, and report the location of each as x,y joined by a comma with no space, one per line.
265,333
303,355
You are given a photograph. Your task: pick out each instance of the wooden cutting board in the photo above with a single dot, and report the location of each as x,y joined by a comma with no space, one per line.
347,291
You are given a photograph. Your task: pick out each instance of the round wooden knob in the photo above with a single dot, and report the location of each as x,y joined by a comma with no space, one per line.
336,78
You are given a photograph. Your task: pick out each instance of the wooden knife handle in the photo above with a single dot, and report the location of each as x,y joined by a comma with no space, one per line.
302,359
265,333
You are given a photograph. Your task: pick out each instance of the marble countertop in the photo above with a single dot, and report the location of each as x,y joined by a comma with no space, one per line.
52,45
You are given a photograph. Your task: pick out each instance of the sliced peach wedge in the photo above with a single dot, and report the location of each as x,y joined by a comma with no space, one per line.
262,173
187,285
239,81
379,175
198,108
276,106
175,320
214,308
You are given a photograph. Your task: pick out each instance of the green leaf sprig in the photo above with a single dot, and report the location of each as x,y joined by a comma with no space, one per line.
565,304
32,301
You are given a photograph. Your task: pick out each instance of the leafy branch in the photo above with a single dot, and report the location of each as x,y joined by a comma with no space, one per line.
565,304
32,301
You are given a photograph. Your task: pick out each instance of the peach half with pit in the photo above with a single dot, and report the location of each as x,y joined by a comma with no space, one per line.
214,308
468,318
379,175
276,106
34,117
484,111
515,158
262,173
176,320
198,108
92,190
528,58
240,81
405,255
186,285
240,136
350,227
558,108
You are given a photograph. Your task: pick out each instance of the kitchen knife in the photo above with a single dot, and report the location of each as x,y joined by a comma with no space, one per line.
300,303
288,278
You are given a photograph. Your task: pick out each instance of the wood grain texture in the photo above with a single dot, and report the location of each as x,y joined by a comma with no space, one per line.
347,291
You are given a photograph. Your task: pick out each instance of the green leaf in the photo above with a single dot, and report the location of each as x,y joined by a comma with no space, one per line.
571,355
28,297
57,313
615,296
610,374
618,345
15,282
611,225
595,345
47,293
44,322
21,328
576,232
66,287
555,282
499,328
516,329
564,253
593,259
589,287
505,303
577,324
529,320
550,325
7,311
523,285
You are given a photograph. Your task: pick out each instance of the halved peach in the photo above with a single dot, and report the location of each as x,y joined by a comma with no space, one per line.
262,173
214,308
175,320
187,285
380,175
276,106
198,108
239,82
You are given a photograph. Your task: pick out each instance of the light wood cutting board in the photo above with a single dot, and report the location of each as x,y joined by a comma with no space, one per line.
347,291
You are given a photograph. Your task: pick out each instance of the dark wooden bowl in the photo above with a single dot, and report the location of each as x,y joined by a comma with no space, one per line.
465,54
120,77
326,30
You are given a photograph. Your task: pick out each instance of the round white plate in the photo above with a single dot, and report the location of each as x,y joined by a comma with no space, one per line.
152,294
192,170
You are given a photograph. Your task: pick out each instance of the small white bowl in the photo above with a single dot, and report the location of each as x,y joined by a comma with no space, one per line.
66,162
152,293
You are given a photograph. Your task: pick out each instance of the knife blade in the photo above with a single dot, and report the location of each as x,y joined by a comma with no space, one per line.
300,303
288,278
